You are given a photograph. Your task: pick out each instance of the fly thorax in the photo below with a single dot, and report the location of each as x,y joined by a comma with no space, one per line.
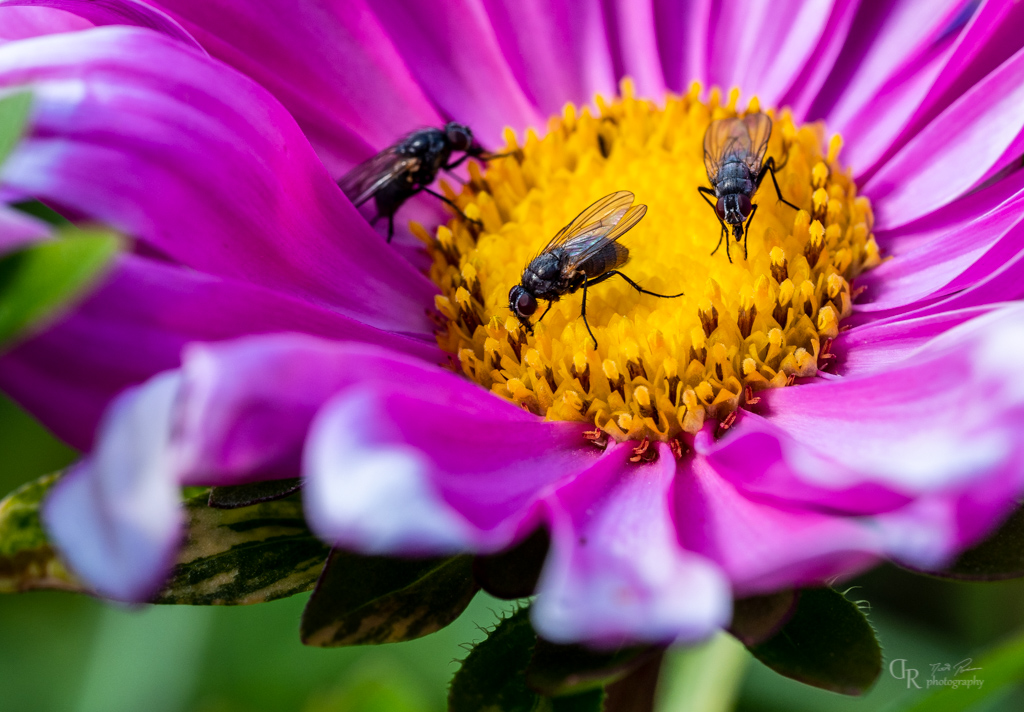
662,367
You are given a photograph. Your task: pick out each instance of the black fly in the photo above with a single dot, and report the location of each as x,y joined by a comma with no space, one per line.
734,158
582,254
401,171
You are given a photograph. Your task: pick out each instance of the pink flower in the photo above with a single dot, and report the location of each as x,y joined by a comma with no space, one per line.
274,332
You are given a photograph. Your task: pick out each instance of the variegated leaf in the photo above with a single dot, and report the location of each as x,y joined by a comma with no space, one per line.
244,555
27,561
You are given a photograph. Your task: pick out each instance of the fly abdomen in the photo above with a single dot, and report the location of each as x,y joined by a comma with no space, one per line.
611,256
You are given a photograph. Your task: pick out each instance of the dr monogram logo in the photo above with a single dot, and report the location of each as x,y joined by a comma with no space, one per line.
941,674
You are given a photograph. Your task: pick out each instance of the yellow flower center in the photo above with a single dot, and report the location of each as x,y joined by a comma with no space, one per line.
662,366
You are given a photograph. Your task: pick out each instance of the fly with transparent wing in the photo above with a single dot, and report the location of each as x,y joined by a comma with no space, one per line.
401,171
734,151
584,253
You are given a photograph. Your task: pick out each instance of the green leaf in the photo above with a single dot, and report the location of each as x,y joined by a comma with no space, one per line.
230,557
368,600
1001,556
827,643
41,211
758,618
253,493
513,574
14,110
492,678
37,280
569,669
27,561
242,556
999,668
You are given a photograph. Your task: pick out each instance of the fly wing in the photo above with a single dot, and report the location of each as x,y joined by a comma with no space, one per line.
362,182
598,219
595,228
759,128
725,140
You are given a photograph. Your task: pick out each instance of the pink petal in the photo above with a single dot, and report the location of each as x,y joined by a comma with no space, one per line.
761,546
930,446
431,464
885,39
682,28
945,257
976,136
116,518
18,23
877,346
632,36
248,404
806,86
616,572
136,324
755,51
137,131
331,64
115,12
558,51
991,36
18,229
456,57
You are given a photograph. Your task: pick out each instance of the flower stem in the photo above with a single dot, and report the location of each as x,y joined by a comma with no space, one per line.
705,678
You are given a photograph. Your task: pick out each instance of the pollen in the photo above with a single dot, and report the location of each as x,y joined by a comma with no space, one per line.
662,367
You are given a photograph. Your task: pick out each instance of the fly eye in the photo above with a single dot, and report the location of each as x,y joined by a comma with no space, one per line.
526,304
745,205
720,209
460,137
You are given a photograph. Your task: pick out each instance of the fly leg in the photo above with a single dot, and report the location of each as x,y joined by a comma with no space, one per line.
746,231
633,284
453,206
769,168
704,193
544,314
583,309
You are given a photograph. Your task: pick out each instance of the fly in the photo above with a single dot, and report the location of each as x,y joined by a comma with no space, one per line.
734,158
401,171
583,253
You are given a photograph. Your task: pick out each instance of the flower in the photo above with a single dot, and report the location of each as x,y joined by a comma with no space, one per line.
274,332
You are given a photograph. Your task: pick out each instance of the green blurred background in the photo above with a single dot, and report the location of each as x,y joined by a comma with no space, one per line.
72,653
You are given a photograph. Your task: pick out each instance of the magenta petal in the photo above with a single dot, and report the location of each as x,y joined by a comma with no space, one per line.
558,51
633,41
330,63
18,23
929,446
115,12
248,404
616,572
752,49
975,137
884,40
136,324
116,518
945,257
991,36
456,57
135,130
18,229
763,546
806,86
431,464
682,28
878,345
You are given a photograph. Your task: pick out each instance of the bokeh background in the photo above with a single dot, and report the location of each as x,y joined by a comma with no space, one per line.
65,652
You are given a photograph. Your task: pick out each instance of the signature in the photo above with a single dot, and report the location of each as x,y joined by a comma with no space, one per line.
956,669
